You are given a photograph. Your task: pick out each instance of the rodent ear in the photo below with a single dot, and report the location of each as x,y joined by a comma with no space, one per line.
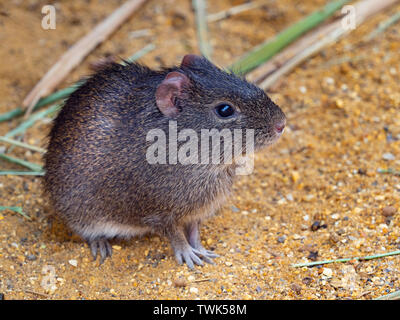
190,60
170,89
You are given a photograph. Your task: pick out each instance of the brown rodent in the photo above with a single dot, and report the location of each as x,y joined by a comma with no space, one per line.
98,176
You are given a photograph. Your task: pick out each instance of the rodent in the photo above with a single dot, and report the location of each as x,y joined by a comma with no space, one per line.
98,177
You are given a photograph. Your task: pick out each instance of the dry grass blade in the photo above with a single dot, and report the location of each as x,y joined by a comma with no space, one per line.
271,47
383,26
376,256
76,53
391,296
234,10
318,40
200,9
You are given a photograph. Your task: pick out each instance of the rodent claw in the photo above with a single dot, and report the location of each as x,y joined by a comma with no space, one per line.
103,247
206,255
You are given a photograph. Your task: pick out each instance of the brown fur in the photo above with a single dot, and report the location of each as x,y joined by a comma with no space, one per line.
97,176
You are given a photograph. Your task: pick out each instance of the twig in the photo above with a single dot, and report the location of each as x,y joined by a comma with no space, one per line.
315,263
64,93
22,144
268,49
383,26
22,173
76,53
27,164
331,33
391,296
202,280
299,58
389,171
58,95
17,210
137,55
200,9
233,11
37,293
30,122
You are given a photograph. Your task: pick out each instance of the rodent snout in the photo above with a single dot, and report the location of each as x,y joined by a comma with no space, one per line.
280,126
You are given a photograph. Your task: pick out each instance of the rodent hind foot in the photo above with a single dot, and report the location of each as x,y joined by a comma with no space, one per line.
102,246
206,255
188,255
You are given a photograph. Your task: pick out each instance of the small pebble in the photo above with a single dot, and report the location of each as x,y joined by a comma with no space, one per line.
327,272
313,255
388,156
307,280
296,288
334,238
290,197
281,239
388,211
315,226
180,283
73,262
303,89
31,257
194,290
335,216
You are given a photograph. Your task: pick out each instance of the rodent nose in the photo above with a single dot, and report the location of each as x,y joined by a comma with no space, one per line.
280,126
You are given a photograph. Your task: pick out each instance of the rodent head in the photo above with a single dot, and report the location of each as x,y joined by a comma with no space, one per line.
202,96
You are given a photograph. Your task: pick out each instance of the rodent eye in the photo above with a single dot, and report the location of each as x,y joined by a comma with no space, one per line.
224,110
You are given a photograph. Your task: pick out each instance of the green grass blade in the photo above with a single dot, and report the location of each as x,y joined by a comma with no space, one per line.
200,10
22,173
27,164
32,119
58,95
22,144
268,49
11,114
17,210
391,296
140,53
64,93
375,256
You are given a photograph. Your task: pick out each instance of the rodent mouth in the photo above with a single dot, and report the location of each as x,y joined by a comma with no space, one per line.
267,139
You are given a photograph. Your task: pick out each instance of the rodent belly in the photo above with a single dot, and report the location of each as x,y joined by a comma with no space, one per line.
113,229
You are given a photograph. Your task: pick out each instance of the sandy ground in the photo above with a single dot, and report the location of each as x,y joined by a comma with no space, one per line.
316,195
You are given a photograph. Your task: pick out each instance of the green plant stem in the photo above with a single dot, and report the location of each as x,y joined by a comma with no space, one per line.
64,93
200,9
391,296
27,164
17,210
22,173
389,171
315,263
22,144
383,26
32,119
268,49
58,95
137,55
